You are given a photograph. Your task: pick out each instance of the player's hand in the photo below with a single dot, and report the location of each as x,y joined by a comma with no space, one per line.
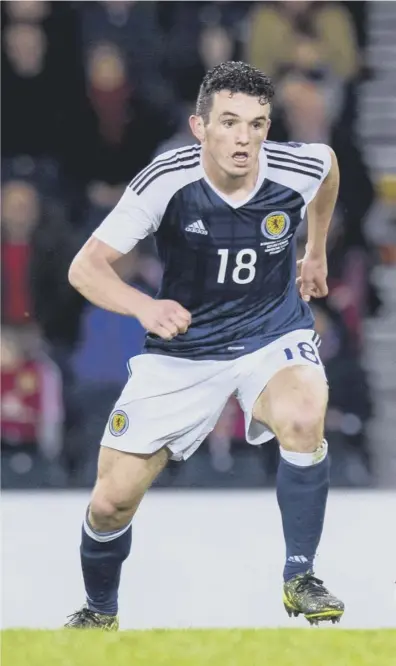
164,318
312,277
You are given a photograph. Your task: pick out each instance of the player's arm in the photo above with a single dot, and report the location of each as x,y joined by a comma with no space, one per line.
93,271
94,275
320,210
313,268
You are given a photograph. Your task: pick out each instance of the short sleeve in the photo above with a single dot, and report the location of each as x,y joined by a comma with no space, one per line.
141,208
321,152
129,222
299,166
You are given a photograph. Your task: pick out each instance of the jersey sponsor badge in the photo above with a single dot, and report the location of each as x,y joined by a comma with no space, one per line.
118,423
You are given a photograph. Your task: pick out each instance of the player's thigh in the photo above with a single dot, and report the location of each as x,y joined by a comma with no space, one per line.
267,392
123,478
293,402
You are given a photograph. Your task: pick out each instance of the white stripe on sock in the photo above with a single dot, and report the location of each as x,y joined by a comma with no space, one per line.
104,537
305,459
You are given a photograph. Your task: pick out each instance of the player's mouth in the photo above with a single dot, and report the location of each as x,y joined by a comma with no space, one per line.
240,157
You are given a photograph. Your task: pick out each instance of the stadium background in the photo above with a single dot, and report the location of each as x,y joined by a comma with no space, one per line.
91,92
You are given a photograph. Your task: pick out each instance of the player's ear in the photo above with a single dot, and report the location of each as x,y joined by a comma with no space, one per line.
197,127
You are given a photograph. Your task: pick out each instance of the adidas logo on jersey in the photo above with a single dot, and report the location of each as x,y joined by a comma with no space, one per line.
197,228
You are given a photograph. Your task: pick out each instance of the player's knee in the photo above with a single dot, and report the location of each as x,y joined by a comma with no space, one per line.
107,515
301,431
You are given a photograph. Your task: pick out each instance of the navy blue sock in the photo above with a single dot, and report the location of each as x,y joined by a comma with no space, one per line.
102,555
302,495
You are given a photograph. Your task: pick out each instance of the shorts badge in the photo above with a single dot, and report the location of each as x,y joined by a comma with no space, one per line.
118,423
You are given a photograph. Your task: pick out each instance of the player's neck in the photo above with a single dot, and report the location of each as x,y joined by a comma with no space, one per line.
236,189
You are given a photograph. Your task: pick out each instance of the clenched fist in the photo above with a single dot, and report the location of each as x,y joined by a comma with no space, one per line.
164,318
312,277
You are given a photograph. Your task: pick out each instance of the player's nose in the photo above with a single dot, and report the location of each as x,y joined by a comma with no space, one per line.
243,137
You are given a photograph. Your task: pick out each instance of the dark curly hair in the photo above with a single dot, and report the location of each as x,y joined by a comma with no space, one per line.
237,77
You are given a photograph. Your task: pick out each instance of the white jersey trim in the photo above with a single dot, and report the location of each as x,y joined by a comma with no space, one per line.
302,167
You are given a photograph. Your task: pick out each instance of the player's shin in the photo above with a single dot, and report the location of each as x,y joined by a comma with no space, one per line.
102,555
302,489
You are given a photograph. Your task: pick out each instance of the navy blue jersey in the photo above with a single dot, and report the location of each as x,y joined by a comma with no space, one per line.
232,265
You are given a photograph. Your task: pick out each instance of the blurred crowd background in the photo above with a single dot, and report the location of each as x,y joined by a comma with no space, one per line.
91,92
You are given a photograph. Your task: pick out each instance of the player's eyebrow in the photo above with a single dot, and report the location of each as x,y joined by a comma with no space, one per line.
229,113
235,115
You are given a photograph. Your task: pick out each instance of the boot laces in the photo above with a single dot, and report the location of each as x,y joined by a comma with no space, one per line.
312,584
85,616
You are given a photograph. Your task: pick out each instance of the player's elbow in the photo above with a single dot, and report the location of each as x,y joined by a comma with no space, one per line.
83,271
90,262
77,272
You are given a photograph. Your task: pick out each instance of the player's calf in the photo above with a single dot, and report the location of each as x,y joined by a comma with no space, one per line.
107,532
294,405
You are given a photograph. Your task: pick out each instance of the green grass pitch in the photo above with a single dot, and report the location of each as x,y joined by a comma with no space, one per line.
231,647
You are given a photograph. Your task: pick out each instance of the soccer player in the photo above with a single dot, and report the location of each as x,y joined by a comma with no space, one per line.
229,319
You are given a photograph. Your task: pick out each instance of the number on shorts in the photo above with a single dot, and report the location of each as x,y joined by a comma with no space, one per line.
240,265
306,350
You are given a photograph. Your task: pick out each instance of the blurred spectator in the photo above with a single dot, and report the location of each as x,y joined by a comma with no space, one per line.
129,107
215,46
199,35
31,404
40,64
29,11
119,128
380,224
116,22
20,213
108,91
133,29
315,37
27,77
360,12
316,40
37,247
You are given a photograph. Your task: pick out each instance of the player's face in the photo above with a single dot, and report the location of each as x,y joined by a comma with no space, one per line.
231,140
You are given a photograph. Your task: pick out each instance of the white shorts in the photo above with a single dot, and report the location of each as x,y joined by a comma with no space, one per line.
176,402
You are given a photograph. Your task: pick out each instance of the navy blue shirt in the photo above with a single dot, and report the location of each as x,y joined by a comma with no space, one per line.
232,265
